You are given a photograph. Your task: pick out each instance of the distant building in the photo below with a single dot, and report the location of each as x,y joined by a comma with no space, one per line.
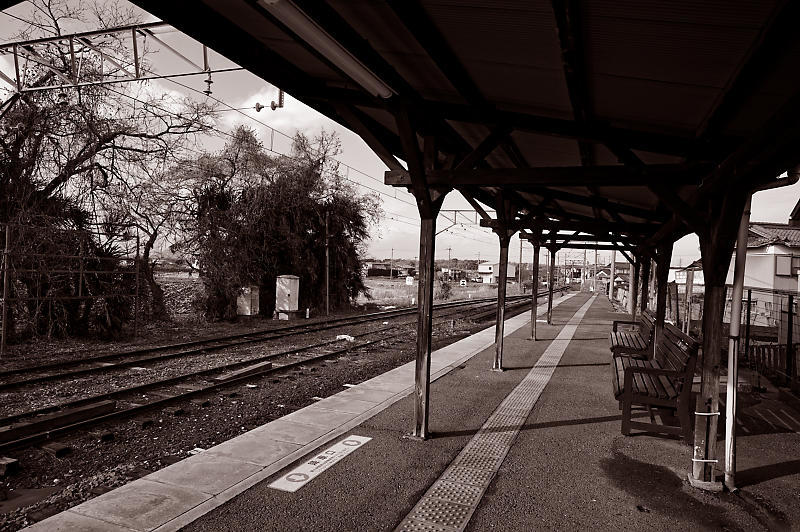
488,272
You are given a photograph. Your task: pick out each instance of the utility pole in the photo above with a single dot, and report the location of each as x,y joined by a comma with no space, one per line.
327,269
391,266
450,263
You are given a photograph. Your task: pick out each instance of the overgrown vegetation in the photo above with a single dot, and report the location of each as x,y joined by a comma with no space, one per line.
257,216
93,177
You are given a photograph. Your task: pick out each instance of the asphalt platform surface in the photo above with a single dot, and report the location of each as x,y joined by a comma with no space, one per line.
569,468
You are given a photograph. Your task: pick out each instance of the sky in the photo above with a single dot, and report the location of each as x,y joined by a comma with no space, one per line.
397,234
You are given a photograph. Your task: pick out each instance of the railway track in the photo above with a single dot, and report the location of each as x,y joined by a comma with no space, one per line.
16,378
23,428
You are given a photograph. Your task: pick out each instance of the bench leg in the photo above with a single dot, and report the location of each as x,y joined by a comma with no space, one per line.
683,417
626,415
652,416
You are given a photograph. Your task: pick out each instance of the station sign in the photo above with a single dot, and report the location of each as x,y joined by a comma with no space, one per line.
318,463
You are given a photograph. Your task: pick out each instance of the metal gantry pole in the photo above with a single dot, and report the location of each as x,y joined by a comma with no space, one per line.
6,274
733,350
327,269
138,266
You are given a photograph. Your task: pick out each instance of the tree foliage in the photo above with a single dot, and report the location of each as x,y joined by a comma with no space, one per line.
256,217
69,160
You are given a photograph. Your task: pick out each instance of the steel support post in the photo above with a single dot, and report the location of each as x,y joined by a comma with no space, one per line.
534,288
733,350
502,275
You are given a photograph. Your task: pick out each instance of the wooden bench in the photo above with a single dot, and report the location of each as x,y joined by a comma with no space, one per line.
638,342
664,381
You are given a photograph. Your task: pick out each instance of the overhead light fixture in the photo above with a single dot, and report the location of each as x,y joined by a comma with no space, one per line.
311,32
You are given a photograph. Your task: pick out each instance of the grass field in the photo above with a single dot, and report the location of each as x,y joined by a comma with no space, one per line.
386,291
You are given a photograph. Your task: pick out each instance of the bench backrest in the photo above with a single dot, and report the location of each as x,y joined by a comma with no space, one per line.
647,326
676,351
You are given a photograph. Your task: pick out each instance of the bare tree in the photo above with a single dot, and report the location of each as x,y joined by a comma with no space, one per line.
90,157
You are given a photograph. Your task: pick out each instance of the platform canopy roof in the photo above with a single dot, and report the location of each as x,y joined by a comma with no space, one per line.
632,117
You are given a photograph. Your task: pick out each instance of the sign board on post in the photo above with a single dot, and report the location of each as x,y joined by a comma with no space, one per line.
314,466
409,280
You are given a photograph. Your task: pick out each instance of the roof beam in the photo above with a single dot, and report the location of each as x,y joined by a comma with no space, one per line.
358,122
593,132
559,176
414,17
329,19
568,28
483,149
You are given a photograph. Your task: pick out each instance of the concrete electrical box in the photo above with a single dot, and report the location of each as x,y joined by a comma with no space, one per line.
247,302
287,288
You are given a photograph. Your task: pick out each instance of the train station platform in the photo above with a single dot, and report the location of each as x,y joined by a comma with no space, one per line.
535,446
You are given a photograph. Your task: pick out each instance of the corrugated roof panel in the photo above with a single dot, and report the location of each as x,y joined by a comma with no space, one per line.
377,23
543,150
712,13
522,69
651,105
665,51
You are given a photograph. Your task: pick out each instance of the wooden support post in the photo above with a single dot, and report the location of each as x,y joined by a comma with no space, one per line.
689,291
613,274
497,365
429,202
662,275
534,288
427,238
634,289
550,282
733,350
716,246
645,283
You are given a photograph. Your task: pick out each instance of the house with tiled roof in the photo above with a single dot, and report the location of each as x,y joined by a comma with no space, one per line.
773,254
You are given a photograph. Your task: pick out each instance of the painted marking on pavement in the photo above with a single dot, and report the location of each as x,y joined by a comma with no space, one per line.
313,467
453,498
785,413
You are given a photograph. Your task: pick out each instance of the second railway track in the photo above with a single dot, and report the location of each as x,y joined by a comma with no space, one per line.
16,378
163,392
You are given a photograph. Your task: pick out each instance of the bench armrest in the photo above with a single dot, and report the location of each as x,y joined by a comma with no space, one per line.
630,352
654,371
623,322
